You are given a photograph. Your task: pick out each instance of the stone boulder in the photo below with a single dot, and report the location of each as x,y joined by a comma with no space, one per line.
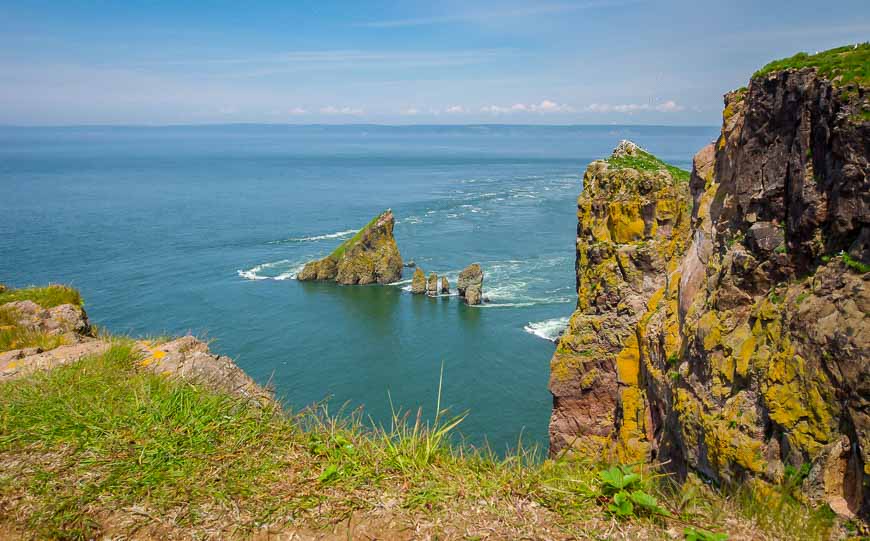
418,282
370,256
470,284
445,285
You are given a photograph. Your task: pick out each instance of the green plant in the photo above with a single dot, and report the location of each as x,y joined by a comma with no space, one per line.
695,534
622,489
854,264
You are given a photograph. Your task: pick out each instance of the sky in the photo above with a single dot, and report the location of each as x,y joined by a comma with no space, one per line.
402,62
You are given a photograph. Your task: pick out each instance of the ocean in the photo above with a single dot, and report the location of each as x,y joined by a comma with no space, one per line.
170,230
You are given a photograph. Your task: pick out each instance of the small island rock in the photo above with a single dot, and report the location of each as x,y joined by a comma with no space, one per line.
470,284
370,256
418,282
445,285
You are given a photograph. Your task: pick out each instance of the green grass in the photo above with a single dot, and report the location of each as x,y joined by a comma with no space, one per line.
644,161
100,437
843,65
339,252
47,297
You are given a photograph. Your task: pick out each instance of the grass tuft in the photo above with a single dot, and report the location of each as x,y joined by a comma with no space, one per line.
46,297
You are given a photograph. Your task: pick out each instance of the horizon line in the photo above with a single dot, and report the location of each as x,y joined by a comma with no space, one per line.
351,124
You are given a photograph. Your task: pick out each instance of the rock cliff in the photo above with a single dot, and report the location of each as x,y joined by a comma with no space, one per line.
370,256
737,348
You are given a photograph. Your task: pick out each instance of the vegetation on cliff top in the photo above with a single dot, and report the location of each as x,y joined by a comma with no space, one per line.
47,297
339,251
843,65
644,161
104,445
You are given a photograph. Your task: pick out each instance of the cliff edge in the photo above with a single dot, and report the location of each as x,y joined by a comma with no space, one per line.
737,349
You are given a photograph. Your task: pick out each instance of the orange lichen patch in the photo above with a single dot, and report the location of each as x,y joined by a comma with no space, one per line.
624,222
628,362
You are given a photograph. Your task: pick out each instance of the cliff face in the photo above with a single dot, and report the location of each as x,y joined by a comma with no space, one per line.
633,224
752,347
368,257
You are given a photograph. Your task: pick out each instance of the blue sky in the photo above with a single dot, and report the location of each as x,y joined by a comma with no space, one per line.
401,62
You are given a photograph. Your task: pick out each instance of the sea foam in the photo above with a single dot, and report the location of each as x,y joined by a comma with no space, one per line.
550,329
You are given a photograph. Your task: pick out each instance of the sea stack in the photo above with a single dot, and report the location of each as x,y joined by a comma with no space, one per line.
370,256
470,284
432,286
418,282
445,285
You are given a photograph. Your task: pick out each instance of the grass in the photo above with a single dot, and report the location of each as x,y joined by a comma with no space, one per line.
46,297
644,161
102,445
845,65
339,252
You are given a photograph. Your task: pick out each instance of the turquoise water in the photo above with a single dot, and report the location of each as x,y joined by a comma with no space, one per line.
201,229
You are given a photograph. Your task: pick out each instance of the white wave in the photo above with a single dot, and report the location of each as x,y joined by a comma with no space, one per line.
254,273
550,329
337,234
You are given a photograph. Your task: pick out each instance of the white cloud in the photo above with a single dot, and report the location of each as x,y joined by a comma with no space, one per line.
298,111
410,111
546,106
332,110
455,109
669,106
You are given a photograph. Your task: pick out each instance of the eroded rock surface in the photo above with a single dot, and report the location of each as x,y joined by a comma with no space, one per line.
189,359
737,349
470,284
370,256
633,225
418,282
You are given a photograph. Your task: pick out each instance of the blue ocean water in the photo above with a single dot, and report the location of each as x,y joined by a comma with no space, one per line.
201,229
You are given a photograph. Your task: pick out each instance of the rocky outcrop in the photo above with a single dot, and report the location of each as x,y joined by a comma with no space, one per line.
66,319
737,349
67,322
418,282
633,227
445,285
189,359
370,256
432,285
470,284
